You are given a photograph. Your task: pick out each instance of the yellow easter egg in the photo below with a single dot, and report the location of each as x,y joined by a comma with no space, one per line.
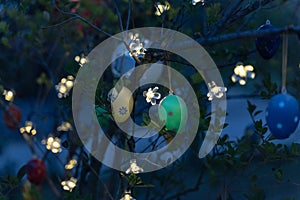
121,104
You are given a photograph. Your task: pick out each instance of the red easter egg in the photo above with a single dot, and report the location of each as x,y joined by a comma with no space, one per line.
36,171
12,117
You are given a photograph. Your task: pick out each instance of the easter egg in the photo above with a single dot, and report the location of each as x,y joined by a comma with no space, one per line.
282,115
123,64
121,104
267,45
173,111
12,117
36,171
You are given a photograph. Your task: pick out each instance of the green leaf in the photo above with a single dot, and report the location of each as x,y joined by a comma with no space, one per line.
22,171
279,174
264,130
196,78
213,13
270,88
5,41
134,180
295,149
251,107
257,112
258,125
3,27
262,150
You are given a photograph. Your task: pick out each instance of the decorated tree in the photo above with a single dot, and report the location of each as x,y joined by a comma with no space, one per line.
149,100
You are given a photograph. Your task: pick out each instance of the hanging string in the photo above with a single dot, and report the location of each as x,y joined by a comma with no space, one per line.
169,77
284,62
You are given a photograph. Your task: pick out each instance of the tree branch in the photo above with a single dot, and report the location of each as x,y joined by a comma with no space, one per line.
242,13
250,34
192,189
129,14
227,14
74,15
119,16
238,35
61,23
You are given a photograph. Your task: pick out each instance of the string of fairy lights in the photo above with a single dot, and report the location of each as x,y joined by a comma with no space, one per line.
64,87
241,74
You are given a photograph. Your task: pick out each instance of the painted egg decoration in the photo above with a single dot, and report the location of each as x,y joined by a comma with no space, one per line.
121,104
124,64
36,171
12,117
173,111
282,115
267,45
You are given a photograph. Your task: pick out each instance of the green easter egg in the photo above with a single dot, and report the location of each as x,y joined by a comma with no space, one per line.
173,111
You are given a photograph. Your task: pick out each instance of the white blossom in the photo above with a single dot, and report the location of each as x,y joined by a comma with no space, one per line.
215,91
242,73
161,8
194,2
127,196
69,185
134,168
152,95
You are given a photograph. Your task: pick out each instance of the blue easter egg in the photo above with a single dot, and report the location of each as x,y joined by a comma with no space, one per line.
267,45
123,65
282,115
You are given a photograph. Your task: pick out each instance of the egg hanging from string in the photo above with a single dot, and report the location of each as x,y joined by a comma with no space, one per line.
267,45
36,171
124,64
173,111
12,117
282,115
121,104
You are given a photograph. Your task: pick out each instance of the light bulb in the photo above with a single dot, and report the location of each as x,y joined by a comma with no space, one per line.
242,82
8,95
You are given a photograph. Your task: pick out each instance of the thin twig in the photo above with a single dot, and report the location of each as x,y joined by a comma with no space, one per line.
227,14
284,62
192,189
129,14
119,15
249,34
60,23
82,19
244,12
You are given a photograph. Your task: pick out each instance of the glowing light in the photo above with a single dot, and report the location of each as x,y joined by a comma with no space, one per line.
134,168
65,126
71,164
161,8
53,144
215,91
69,185
136,46
8,95
64,86
127,196
242,82
242,73
28,128
81,60
194,2
152,95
